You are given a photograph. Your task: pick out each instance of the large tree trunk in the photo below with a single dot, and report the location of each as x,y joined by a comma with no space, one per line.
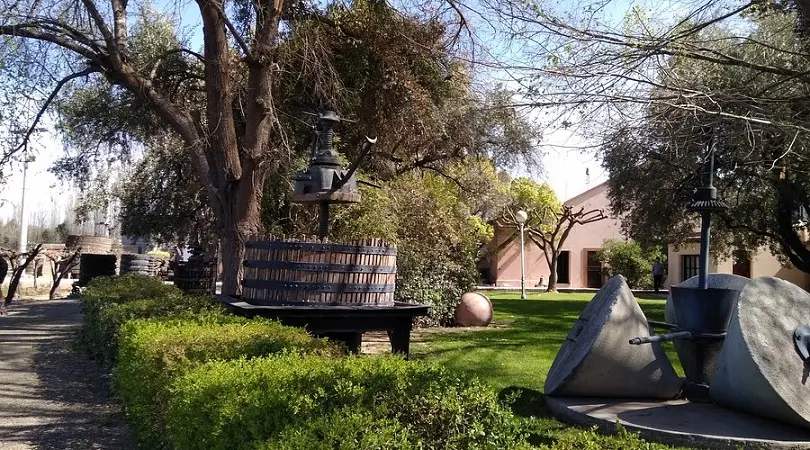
239,217
552,277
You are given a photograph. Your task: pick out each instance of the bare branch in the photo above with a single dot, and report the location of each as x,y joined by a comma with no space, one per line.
42,109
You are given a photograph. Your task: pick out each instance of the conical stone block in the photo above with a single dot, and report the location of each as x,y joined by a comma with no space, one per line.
759,369
708,351
597,360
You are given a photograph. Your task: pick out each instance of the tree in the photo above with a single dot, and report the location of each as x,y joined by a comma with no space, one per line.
62,262
19,262
655,164
231,104
629,259
647,89
163,200
549,222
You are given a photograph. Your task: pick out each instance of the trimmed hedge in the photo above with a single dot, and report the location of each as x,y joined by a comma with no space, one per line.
101,328
125,288
109,302
245,403
346,430
152,353
192,377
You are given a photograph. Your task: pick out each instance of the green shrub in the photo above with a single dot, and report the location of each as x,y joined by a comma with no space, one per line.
125,288
345,430
152,352
629,259
593,439
235,404
102,319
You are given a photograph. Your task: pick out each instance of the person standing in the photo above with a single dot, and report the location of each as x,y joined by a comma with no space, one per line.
658,274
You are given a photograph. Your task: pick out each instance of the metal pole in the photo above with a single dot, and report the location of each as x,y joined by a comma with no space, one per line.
323,225
522,266
23,214
705,228
705,235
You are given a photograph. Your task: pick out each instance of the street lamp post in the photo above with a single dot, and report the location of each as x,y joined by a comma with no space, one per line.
521,217
23,244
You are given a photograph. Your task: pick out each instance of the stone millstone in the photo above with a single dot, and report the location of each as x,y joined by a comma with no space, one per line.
597,360
474,310
711,350
759,369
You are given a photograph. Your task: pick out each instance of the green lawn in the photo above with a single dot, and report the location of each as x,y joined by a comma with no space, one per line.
520,345
515,353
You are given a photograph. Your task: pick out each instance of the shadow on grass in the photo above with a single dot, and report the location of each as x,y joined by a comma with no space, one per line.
530,405
524,402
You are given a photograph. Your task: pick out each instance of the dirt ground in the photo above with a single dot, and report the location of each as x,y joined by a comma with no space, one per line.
51,395
375,342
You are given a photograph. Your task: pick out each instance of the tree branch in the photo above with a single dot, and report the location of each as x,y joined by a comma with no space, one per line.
171,52
32,128
32,31
98,19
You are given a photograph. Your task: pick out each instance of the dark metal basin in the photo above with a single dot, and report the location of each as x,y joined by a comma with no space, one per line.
703,310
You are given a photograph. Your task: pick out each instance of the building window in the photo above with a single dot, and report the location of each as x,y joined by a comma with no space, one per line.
594,278
690,266
741,264
563,268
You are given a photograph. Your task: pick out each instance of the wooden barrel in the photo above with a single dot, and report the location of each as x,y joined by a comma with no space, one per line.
89,244
137,264
94,265
360,273
194,279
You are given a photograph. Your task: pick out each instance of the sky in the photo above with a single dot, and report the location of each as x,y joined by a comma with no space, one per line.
44,193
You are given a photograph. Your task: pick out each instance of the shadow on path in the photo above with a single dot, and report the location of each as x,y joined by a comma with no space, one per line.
52,396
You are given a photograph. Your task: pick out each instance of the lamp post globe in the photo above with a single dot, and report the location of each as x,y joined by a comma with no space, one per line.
522,217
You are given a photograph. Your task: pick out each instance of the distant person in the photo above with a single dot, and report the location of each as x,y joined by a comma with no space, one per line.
658,274
177,254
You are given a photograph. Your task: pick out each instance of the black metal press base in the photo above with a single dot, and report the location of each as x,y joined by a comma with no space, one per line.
345,324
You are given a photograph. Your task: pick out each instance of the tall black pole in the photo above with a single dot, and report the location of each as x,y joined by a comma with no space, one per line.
323,225
705,227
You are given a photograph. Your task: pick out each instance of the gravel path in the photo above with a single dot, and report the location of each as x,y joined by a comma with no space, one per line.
52,396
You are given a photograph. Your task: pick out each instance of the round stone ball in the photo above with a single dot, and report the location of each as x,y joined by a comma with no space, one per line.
474,310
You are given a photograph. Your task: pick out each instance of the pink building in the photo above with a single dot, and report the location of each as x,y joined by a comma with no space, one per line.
577,266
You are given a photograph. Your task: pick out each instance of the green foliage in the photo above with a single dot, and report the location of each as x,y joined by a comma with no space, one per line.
592,439
437,238
109,302
655,163
153,352
10,233
236,404
126,288
346,429
537,199
628,258
162,198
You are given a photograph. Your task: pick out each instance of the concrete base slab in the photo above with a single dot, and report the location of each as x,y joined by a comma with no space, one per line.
680,422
